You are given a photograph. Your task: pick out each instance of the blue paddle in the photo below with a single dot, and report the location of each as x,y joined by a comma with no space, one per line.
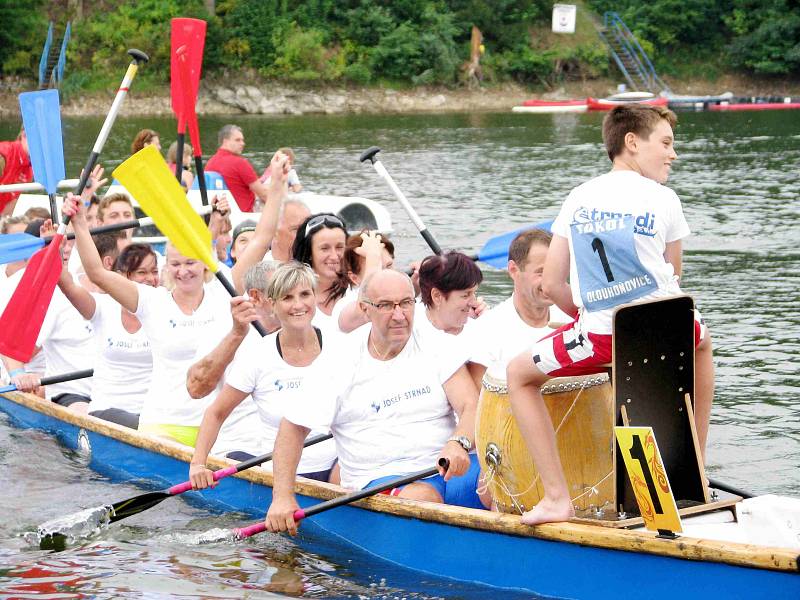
41,115
21,246
495,250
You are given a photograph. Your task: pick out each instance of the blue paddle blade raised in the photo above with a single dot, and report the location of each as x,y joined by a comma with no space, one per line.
41,115
495,250
18,246
22,320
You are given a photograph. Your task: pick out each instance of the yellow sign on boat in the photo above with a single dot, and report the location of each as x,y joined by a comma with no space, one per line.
648,478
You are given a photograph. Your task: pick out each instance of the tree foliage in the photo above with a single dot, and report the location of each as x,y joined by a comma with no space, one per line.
403,41
762,36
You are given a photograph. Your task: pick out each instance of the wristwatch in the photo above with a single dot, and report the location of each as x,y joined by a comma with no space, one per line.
462,441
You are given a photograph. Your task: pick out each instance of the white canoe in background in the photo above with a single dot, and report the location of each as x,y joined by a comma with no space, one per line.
358,213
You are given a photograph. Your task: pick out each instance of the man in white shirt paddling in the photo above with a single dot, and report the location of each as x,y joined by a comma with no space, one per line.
528,315
394,406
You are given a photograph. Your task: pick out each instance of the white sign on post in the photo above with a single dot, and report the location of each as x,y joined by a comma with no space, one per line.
564,18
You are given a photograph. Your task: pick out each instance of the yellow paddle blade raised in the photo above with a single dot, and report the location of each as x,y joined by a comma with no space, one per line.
146,176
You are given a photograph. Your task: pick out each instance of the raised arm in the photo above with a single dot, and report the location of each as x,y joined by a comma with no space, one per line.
204,375
556,273
118,287
78,296
267,223
285,458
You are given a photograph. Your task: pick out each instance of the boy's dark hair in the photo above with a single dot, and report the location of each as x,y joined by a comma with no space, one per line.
521,245
640,119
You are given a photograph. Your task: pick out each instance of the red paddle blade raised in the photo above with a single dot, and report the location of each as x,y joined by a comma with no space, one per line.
24,315
187,36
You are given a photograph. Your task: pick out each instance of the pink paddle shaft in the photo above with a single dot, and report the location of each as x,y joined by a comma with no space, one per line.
244,532
187,485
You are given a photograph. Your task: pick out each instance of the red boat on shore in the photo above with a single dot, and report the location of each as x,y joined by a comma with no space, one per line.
609,103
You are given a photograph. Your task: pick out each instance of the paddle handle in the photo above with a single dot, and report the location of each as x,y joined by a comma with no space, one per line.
230,289
426,235
217,475
130,74
179,155
244,465
301,513
244,532
53,379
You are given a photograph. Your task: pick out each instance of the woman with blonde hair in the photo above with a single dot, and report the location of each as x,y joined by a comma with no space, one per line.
175,319
187,177
276,371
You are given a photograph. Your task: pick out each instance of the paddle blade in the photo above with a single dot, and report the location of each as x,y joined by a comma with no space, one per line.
41,115
133,506
188,35
22,320
148,179
495,250
18,246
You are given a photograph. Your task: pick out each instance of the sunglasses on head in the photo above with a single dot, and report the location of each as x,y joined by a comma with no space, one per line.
321,220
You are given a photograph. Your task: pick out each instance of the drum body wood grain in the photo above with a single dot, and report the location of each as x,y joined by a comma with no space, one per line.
581,409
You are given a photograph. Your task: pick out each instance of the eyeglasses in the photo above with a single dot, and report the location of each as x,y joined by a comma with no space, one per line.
320,220
388,306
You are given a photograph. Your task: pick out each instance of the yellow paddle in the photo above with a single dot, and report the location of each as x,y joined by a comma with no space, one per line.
147,177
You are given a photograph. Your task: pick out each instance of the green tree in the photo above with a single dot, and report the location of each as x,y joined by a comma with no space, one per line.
22,35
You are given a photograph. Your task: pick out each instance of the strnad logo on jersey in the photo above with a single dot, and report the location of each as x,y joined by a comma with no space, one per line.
609,270
643,224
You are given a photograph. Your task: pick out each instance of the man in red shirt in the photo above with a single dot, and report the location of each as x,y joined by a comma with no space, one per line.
237,171
15,167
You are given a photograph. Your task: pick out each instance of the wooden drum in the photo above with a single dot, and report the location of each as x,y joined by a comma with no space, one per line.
582,412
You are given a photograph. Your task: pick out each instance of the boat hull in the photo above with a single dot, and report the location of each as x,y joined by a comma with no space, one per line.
550,106
603,104
756,106
466,545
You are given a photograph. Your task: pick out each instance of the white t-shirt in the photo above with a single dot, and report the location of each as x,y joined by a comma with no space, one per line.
387,417
66,340
468,338
503,335
123,361
241,431
174,340
618,226
275,385
329,324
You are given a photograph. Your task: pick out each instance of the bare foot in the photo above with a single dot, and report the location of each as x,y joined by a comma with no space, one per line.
549,511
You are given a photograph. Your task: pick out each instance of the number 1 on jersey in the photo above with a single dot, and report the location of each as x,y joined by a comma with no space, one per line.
597,246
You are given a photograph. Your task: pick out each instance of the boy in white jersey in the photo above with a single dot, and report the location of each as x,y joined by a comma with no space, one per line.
618,238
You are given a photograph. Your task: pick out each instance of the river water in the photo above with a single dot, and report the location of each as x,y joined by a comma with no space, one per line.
469,177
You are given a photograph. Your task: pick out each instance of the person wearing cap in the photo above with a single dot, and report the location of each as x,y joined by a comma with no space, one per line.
242,234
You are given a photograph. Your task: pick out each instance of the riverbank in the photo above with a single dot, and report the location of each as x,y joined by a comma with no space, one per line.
274,98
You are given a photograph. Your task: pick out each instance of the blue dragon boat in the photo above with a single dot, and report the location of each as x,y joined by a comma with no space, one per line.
566,560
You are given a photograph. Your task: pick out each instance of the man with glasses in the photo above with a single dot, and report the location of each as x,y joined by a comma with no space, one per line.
242,180
395,406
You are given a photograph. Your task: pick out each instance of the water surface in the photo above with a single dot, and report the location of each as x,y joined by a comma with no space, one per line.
469,177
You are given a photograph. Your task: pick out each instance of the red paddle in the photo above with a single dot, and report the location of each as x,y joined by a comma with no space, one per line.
191,118
188,37
21,322
23,317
